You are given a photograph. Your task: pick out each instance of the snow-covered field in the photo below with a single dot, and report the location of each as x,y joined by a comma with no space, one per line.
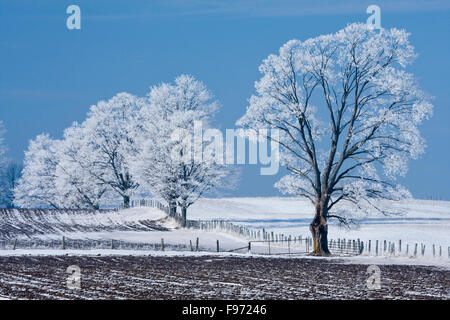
422,221
135,225
213,276
426,222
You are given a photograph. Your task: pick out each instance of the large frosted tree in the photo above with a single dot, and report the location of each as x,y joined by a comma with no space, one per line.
36,187
108,135
164,160
77,179
348,114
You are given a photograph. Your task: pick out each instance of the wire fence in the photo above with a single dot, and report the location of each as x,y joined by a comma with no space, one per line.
289,246
88,244
276,247
404,248
269,242
214,225
300,246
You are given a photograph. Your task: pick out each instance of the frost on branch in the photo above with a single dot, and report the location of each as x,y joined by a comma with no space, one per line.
164,161
36,188
125,143
108,134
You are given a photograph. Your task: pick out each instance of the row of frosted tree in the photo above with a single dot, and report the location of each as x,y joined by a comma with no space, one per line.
125,146
347,110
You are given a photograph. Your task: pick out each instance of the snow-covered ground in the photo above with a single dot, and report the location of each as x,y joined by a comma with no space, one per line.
423,221
136,225
363,259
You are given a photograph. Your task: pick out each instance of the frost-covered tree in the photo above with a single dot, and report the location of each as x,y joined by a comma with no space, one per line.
161,160
56,173
108,135
88,166
77,180
348,113
36,187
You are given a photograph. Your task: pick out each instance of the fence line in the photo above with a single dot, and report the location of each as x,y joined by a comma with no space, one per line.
79,244
202,224
291,246
215,224
343,246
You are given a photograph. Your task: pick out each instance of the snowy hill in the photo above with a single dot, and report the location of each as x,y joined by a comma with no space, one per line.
422,221
29,223
426,222
143,225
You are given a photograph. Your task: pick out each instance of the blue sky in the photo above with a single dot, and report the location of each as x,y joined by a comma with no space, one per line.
49,75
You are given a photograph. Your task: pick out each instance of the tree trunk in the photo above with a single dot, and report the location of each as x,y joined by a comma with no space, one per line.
319,231
183,215
172,208
126,202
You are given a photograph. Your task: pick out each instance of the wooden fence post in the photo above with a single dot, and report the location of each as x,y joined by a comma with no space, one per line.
249,247
112,244
376,248
190,243
196,245
63,243
162,244
15,244
415,250
217,245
